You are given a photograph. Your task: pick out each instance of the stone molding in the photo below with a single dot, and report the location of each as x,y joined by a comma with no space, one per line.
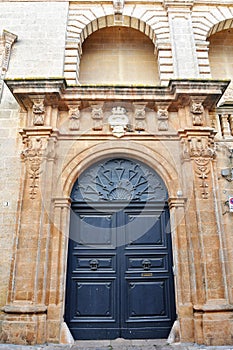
205,23
209,90
150,20
17,308
6,41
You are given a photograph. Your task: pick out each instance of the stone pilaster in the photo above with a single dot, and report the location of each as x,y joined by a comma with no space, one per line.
58,259
183,45
182,268
199,150
25,319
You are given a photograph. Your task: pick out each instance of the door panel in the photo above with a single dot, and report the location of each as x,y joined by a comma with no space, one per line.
95,229
95,300
120,281
146,299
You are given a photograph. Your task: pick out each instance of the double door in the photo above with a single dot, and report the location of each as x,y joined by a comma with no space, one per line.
119,280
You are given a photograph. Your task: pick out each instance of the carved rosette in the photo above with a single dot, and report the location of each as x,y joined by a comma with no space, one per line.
197,111
140,116
162,119
32,156
118,121
201,150
38,110
97,116
74,117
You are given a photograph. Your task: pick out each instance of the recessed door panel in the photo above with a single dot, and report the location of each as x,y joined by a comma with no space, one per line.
145,229
147,300
95,230
95,300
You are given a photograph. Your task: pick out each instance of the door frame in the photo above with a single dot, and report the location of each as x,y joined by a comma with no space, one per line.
165,167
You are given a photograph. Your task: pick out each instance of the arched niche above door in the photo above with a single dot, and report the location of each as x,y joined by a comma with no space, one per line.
118,55
119,179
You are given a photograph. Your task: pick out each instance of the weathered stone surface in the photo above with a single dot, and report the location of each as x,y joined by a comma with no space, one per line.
51,131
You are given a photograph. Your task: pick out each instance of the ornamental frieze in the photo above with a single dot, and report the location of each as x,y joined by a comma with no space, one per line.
32,156
200,148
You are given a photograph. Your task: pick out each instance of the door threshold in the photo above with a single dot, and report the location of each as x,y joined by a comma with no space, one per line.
119,343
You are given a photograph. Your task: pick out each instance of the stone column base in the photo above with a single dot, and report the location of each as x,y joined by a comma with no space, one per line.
25,329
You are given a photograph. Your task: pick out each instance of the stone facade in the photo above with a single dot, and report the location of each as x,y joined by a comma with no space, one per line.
57,119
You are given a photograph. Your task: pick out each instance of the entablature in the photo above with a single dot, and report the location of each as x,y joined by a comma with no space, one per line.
176,95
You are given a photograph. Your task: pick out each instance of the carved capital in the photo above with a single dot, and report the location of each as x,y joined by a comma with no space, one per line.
199,147
38,145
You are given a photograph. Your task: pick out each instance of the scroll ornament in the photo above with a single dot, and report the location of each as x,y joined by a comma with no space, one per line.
32,155
201,151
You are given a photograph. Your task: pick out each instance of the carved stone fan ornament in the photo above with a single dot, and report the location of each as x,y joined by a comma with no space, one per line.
119,180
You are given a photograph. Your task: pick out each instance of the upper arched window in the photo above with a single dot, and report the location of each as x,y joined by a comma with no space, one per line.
118,55
220,54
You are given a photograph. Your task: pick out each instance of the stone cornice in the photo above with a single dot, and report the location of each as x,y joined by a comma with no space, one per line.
176,94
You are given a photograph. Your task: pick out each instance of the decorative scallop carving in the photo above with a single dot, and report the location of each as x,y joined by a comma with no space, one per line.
119,180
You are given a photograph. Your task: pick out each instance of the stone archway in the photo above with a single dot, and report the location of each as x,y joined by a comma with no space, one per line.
120,279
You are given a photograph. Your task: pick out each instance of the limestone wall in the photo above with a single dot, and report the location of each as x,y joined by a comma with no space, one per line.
175,128
10,145
41,30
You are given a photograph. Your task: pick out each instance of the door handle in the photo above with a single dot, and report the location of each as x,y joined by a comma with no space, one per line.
94,264
146,264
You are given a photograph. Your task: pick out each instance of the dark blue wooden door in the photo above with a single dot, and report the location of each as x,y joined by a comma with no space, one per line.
119,281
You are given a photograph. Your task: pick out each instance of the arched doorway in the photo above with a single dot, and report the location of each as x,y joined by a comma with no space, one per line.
119,280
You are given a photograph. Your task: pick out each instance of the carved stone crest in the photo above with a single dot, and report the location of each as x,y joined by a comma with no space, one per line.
118,121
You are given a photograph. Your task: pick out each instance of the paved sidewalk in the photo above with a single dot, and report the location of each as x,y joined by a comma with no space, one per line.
117,344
